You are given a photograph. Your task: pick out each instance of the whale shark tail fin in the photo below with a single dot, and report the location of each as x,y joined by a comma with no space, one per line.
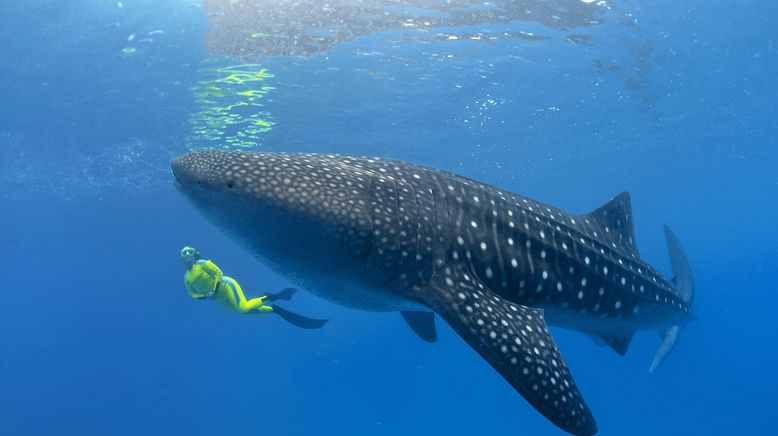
683,280
684,284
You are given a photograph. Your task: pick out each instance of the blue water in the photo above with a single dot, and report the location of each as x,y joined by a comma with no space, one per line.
675,102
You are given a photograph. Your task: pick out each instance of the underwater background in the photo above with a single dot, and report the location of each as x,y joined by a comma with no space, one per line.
566,101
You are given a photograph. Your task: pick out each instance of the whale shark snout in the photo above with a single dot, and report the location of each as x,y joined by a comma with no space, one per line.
330,191
207,170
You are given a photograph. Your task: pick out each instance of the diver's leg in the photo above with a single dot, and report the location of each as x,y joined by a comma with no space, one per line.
297,319
238,301
283,294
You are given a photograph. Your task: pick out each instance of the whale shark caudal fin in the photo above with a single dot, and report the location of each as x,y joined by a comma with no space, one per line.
684,284
515,340
422,323
683,280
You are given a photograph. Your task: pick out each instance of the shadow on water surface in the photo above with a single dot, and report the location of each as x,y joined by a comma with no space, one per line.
271,28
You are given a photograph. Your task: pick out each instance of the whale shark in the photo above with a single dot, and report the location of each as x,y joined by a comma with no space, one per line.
386,235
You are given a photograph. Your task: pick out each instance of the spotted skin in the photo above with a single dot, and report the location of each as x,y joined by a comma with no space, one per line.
515,340
386,235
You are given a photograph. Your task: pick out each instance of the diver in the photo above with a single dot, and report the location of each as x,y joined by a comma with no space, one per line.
204,280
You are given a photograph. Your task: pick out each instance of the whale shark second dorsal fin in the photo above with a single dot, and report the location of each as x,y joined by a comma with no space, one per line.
613,222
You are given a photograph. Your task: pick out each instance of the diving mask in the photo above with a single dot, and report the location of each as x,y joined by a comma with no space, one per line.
189,255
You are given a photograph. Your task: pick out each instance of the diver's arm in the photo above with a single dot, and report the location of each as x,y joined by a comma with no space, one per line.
202,278
191,290
237,300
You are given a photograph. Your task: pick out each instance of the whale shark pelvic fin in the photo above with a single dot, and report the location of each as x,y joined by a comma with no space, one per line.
619,344
515,340
422,323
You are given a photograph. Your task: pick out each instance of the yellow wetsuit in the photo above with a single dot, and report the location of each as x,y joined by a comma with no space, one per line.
204,279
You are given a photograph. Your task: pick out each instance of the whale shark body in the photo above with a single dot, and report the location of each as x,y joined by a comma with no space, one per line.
386,235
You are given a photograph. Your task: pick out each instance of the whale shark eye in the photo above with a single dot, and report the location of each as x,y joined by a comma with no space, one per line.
230,185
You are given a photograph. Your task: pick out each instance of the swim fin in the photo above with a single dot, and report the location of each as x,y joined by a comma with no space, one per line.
297,319
284,294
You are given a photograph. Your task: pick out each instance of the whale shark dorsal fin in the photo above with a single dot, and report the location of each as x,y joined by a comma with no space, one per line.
515,340
422,323
613,221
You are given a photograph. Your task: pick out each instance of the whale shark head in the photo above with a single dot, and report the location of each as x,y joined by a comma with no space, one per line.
288,210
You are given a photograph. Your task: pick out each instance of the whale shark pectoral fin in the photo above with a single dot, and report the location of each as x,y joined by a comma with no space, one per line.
422,323
515,340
